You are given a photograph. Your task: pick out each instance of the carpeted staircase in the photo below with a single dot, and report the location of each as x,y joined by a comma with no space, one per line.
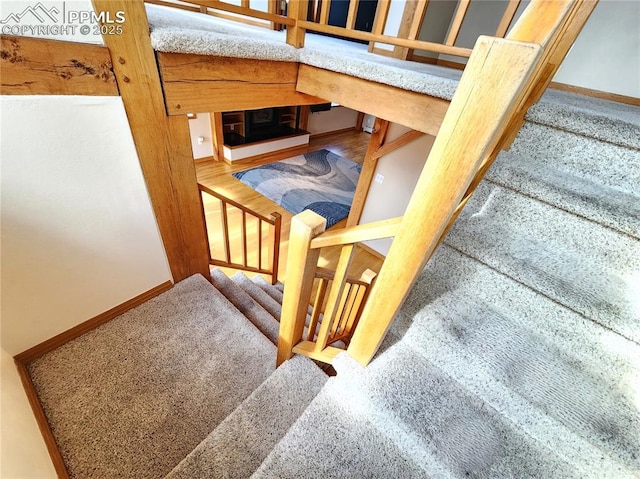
515,355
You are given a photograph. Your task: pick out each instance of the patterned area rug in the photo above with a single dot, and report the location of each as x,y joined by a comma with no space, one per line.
320,181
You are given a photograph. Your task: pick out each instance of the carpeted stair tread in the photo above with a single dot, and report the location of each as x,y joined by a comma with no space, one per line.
268,288
261,318
263,299
609,121
584,176
335,438
133,397
416,402
589,268
556,375
237,447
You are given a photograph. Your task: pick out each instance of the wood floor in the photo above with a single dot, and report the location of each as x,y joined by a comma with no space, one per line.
217,176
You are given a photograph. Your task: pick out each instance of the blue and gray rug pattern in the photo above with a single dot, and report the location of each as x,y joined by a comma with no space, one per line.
320,181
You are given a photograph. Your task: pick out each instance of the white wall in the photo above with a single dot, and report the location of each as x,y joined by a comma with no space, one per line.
606,55
78,233
23,452
78,237
338,118
200,126
401,169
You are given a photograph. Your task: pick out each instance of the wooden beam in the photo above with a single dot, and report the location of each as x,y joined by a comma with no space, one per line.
210,83
368,171
415,110
243,9
399,142
486,98
163,144
36,66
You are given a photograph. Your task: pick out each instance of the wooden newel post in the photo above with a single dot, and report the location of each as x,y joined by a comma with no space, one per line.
301,267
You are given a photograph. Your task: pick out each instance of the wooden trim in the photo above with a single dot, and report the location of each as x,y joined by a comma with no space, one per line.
210,83
41,420
456,23
203,159
37,66
82,328
334,132
629,100
401,42
422,59
163,143
415,110
450,64
25,357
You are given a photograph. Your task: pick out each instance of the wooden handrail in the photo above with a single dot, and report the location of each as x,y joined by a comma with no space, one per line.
357,234
373,37
274,221
197,5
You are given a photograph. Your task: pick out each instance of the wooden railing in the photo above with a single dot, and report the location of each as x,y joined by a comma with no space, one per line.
346,297
252,259
350,306
313,15
502,79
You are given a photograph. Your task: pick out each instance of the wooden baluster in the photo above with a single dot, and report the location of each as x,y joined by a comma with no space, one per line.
317,308
456,24
367,277
324,12
351,16
380,20
298,12
333,303
301,267
225,230
275,251
507,18
244,239
259,243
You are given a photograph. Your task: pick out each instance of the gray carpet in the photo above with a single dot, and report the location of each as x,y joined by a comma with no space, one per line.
516,353
135,396
240,443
